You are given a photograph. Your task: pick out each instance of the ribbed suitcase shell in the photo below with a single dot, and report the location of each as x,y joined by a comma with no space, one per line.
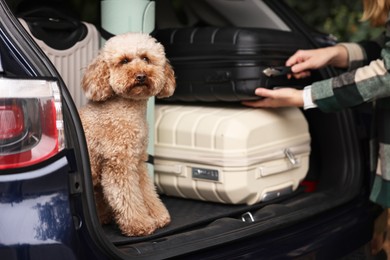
232,155
71,63
226,63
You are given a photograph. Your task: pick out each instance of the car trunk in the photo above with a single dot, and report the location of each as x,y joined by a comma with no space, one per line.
335,177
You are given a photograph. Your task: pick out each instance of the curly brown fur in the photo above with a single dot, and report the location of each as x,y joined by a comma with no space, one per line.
129,69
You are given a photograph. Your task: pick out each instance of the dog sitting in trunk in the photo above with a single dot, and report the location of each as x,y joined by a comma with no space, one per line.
128,70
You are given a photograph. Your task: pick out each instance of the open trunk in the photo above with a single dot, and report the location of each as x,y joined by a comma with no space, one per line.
336,173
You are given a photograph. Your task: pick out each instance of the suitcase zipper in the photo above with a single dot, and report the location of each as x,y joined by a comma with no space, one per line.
290,156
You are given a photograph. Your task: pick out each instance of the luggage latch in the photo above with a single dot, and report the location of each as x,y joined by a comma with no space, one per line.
291,157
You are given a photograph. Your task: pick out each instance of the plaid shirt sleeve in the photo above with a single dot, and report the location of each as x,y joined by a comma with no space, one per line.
367,80
361,83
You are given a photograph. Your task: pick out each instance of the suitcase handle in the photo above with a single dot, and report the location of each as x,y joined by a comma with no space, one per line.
175,169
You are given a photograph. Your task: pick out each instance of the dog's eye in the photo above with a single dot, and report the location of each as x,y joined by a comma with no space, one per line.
145,59
124,61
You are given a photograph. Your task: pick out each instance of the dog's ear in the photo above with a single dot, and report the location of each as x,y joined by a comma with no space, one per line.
170,82
95,81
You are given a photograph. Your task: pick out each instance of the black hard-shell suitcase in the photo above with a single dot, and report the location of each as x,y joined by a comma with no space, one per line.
227,63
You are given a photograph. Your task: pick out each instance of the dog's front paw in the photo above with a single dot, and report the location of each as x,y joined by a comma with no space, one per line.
138,227
163,218
160,213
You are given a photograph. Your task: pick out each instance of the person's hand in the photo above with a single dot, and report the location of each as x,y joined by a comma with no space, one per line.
282,97
305,60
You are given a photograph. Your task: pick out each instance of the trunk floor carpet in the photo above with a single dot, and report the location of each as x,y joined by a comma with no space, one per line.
187,214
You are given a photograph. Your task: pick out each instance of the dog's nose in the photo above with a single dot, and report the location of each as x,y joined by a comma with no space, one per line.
140,78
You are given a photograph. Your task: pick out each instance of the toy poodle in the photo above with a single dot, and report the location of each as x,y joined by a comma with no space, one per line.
128,70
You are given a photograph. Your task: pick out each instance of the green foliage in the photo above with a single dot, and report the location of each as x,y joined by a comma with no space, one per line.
340,18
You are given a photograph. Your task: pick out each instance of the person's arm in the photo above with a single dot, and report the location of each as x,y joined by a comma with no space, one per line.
353,88
347,90
303,61
285,97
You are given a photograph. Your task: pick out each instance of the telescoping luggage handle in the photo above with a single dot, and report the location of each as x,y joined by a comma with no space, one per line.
277,71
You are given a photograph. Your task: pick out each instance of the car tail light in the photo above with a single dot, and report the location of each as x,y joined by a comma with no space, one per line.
31,126
12,118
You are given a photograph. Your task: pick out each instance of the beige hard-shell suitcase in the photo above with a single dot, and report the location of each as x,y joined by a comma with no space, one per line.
235,155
